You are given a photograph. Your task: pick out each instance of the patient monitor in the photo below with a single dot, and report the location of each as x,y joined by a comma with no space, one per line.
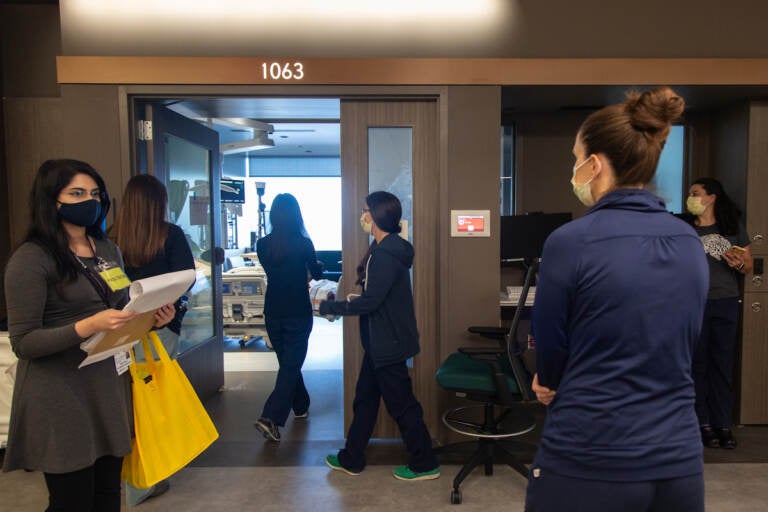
243,290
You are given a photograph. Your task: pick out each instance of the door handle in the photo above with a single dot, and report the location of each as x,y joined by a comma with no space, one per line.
218,256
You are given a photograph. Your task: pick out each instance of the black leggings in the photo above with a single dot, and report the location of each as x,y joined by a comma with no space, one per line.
92,489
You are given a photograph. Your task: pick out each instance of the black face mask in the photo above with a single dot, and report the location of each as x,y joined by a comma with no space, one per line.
85,213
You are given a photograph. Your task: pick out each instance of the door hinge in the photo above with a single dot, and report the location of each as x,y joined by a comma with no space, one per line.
144,130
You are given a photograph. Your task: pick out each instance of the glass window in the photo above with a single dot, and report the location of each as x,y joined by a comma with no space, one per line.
190,208
508,170
668,182
319,200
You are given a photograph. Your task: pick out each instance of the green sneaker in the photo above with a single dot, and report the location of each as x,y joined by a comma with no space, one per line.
333,463
406,473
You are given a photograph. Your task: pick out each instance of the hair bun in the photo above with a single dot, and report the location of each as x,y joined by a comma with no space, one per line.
652,112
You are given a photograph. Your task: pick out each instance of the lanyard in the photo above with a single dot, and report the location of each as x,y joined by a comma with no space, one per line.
96,282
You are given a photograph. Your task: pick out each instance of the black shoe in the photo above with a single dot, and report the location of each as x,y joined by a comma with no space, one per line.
725,438
709,438
301,416
268,429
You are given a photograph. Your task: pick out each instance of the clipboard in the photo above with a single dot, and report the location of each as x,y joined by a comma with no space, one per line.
146,296
120,340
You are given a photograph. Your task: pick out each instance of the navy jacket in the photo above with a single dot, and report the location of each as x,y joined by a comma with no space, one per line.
618,308
387,300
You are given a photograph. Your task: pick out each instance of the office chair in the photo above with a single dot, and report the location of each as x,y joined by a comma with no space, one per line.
500,378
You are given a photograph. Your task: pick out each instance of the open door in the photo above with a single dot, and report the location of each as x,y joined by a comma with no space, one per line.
392,145
185,156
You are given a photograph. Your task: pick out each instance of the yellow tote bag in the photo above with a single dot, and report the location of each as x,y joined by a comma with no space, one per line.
171,425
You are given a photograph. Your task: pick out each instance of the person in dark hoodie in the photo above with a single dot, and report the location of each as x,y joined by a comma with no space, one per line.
389,337
618,310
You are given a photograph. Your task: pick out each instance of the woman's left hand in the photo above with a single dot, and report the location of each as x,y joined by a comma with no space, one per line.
739,260
164,315
543,394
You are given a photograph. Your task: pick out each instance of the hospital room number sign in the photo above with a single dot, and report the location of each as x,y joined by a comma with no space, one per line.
282,71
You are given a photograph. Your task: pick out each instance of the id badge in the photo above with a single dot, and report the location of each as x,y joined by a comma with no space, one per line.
115,278
122,362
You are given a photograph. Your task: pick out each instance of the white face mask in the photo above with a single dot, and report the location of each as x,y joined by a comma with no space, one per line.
367,226
693,204
583,190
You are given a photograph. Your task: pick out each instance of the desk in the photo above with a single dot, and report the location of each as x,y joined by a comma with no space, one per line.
511,298
508,302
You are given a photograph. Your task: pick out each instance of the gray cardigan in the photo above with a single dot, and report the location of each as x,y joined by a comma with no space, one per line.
62,418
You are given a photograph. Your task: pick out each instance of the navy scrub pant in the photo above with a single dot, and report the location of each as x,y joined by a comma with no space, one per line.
290,339
550,492
393,384
713,362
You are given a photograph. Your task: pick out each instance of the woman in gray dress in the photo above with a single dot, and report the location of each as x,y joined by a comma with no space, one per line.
74,425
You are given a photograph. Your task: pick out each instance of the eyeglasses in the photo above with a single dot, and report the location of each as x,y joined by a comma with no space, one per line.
79,193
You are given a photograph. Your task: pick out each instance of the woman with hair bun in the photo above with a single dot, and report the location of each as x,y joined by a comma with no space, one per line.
618,311
390,337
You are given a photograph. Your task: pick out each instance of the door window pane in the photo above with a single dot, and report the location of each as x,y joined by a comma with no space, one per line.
189,205
390,166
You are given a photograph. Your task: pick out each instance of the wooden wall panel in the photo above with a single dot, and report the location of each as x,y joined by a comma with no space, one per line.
33,129
754,353
757,178
411,71
754,377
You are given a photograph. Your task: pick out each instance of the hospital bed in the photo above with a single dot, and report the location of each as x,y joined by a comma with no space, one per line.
7,373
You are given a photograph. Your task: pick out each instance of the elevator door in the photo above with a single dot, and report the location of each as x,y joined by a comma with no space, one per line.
392,146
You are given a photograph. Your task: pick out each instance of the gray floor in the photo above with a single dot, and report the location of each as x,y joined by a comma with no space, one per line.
243,472
730,488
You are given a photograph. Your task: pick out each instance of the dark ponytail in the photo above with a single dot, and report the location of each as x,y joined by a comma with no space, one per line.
385,210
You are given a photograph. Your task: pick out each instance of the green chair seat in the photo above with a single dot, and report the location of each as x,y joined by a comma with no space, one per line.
462,373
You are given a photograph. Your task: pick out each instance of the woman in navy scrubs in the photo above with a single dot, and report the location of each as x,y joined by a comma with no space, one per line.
288,257
617,313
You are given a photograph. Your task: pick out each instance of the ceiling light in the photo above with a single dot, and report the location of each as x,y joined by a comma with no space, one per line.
260,138
259,141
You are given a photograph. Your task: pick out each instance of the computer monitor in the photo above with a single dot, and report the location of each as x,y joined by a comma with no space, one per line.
523,236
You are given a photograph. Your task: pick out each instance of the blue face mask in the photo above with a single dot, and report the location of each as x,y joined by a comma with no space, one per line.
84,213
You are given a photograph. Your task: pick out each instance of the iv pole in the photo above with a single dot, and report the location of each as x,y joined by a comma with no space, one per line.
262,222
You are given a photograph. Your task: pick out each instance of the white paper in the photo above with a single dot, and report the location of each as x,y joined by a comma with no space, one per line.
145,295
154,292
